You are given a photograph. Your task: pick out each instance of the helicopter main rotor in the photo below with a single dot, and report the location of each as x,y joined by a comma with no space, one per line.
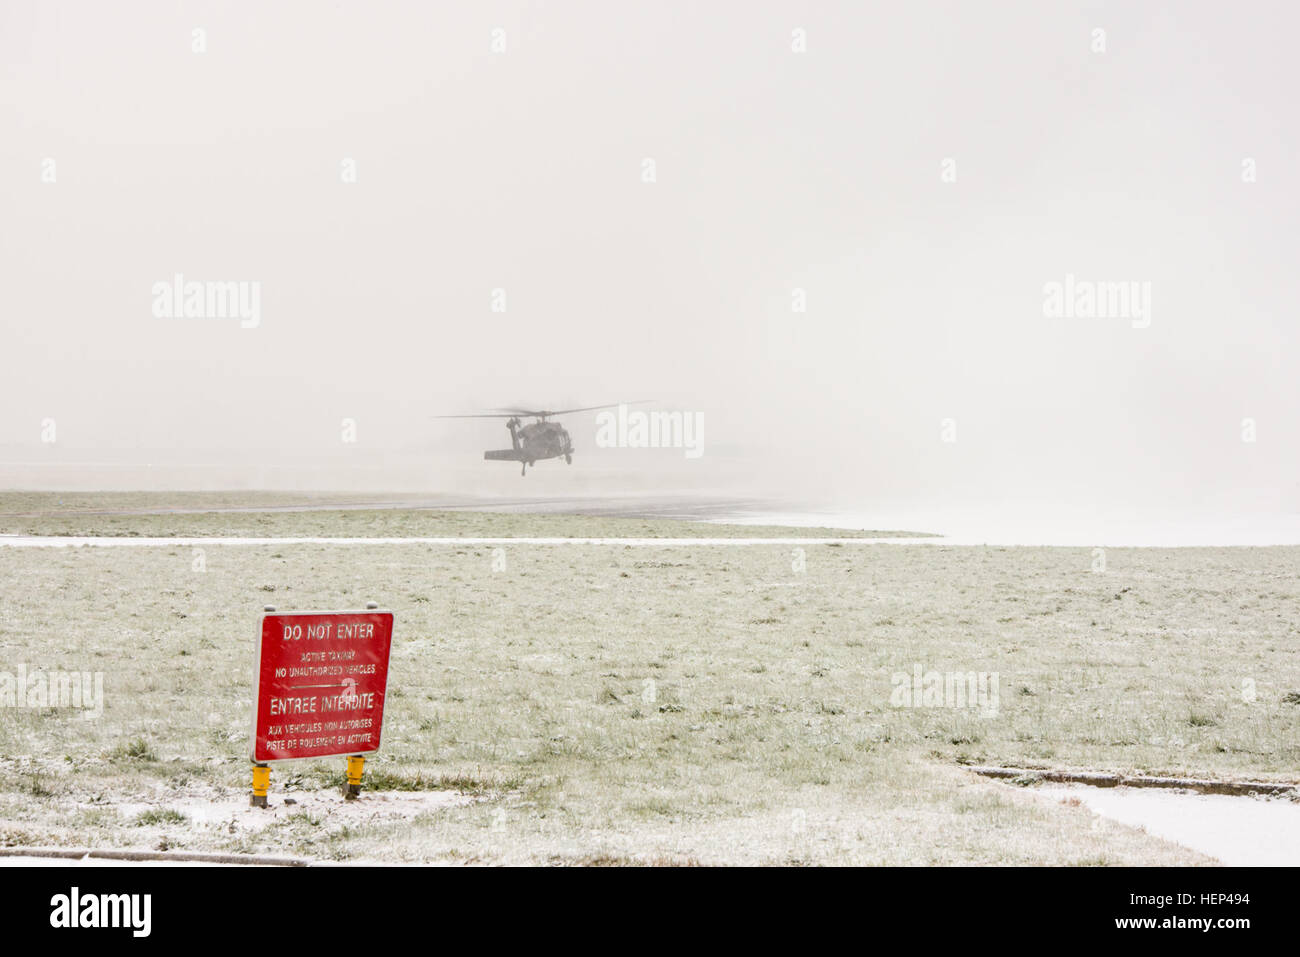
539,414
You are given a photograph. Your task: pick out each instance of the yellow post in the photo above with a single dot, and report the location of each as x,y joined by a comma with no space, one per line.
261,784
356,766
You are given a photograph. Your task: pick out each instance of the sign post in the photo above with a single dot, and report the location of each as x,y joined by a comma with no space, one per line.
322,677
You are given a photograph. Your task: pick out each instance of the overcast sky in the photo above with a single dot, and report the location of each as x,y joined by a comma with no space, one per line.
795,146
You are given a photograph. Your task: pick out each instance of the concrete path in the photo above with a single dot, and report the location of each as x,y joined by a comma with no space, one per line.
1239,831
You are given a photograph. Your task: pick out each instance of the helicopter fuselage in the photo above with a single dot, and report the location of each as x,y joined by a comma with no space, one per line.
534,442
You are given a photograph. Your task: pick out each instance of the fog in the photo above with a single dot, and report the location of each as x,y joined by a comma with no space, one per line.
841,263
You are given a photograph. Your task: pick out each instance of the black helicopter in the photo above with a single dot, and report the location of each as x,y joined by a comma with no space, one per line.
542,439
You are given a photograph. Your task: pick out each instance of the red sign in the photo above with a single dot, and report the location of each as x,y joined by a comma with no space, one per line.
321,681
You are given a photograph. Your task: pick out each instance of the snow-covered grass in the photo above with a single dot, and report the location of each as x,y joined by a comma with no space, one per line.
614,705
136,515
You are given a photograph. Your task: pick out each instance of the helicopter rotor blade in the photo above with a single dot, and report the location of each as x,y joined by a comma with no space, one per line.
480,415
592,408
536,413
585,408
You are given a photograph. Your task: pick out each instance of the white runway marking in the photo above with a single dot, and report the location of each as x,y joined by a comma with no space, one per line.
71,541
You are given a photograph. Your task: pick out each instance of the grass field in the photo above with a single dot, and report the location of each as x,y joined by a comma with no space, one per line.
607,704
44,513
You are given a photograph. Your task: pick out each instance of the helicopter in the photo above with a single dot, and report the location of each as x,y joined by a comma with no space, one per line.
538,440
